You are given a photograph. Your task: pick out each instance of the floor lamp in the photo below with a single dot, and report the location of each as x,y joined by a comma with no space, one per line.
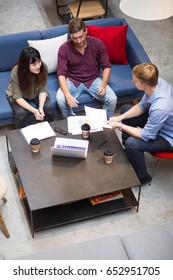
147,9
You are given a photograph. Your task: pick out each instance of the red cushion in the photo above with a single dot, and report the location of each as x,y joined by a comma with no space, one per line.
163,154
114,38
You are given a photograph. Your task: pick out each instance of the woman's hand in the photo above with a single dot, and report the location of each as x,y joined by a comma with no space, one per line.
39,114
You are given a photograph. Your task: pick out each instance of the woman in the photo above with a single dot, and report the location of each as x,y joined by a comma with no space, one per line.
29,83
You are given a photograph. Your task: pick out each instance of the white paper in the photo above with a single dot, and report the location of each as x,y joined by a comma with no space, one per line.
40,130
75,122
96,118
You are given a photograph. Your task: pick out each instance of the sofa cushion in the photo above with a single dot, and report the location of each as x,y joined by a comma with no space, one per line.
114,38
11,46
120,79
104,248
6,111
2,257
48,50
150,244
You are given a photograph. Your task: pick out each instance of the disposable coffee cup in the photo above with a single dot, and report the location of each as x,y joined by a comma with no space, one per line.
108,155
85,128
35,145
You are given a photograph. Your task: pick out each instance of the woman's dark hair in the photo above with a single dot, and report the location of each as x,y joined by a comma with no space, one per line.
27,56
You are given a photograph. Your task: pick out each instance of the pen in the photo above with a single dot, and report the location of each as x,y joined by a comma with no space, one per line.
102,143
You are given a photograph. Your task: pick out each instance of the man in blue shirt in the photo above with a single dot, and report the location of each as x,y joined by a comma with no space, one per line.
80,60
148,125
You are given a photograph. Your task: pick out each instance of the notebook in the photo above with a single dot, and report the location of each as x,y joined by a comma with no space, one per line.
40,130
66,147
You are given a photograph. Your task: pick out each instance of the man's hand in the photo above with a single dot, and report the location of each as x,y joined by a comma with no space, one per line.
101,91
116,119
115,124
71,101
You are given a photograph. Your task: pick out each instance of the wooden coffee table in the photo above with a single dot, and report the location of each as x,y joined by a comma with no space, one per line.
57,189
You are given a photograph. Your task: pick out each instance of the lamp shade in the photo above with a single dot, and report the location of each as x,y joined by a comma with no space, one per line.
147,9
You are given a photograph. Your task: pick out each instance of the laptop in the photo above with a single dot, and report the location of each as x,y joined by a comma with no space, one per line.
66,147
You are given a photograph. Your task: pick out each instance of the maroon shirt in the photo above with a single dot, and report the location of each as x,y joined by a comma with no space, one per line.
83,68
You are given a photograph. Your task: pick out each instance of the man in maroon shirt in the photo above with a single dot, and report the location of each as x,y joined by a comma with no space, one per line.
83,66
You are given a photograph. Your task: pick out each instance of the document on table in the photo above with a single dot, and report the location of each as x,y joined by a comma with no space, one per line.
75,122
40,130
96,118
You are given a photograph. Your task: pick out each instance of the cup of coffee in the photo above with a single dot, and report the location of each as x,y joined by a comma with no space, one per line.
35,145
85,128
108,155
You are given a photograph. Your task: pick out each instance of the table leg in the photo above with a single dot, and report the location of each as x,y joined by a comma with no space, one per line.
60,6
4,228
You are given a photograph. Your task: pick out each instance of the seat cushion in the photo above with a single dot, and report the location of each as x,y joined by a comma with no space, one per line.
6,111
121,82
154,243
106,248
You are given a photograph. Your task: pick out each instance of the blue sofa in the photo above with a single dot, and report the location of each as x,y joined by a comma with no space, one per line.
120,79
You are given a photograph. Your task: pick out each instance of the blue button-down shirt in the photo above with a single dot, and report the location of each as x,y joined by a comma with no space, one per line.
160,109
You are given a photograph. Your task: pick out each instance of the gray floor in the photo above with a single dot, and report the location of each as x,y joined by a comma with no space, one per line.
156,206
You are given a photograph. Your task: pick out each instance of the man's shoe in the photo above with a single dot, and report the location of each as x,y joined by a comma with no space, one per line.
146,180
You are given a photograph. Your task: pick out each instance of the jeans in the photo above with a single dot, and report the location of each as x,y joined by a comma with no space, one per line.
22,118
109,99
136,147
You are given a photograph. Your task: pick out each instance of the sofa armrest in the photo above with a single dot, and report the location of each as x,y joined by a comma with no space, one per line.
135,51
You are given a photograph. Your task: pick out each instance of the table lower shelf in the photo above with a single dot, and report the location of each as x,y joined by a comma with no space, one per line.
77,211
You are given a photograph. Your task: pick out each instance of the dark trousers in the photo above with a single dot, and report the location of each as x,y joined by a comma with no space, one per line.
23,117
135,147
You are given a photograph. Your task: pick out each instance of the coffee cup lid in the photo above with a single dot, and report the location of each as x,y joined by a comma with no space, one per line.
85,126
35,141
108,152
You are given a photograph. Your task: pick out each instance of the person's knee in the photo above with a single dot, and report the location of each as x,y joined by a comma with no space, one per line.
60,99
49,112
130,143
20,115
133,144
114,99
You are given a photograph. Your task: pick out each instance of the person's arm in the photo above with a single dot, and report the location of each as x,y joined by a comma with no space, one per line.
105,79
133,131
42,99
24,104
71,101
115,122
135,111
